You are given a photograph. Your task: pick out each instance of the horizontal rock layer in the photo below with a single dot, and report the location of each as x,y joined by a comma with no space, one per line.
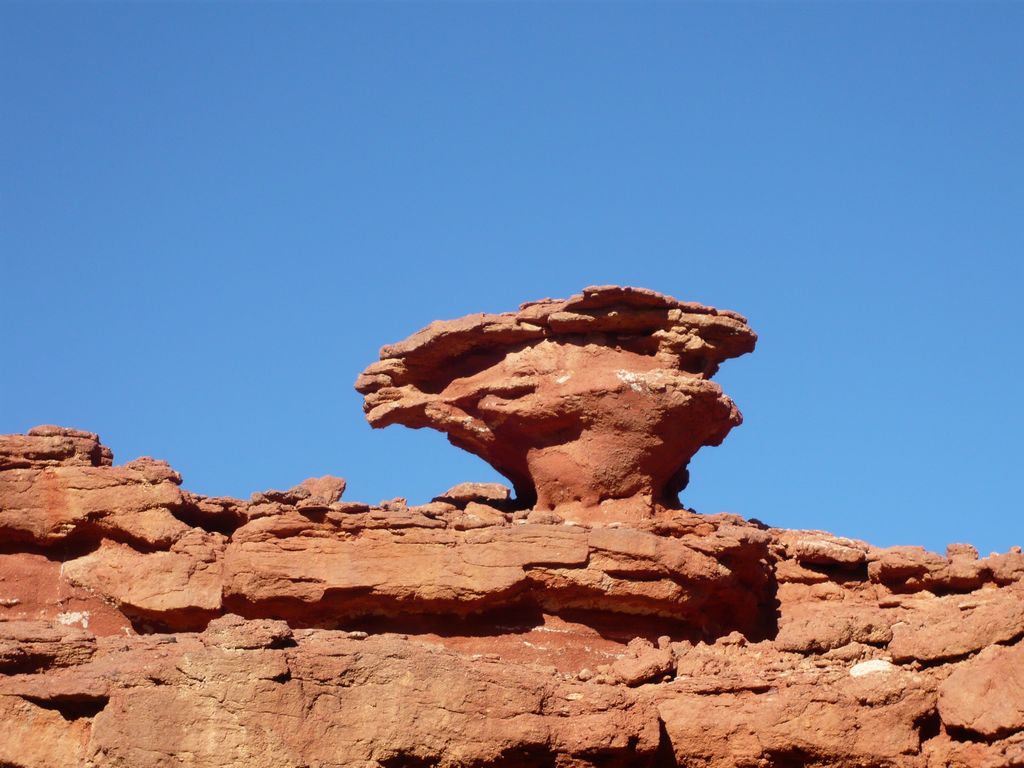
143,625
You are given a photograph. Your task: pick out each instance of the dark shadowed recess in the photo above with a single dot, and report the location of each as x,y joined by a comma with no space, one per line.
515,615
71,707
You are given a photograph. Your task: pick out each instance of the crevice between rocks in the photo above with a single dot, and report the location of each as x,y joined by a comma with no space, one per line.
929,725
665,756
71,707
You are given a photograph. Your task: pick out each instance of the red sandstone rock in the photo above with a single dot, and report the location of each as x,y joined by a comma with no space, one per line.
294,567
32,588
180,587
36,737
644,663
952,627
26,646
578,689
822,625
910,569
324,490
314,492
146,626
946,752
235,633
328,699
49,446
54,504
848,722
985,696
591,406
487,493
815,548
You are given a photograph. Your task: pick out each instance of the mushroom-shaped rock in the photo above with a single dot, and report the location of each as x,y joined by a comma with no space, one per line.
592,405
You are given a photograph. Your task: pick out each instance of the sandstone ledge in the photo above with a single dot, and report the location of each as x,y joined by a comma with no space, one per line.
144,625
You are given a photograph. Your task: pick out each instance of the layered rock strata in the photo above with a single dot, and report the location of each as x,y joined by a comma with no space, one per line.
144,626
592,406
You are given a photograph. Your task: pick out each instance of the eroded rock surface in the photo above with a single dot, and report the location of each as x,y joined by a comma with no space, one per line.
297,629
592,406
144,626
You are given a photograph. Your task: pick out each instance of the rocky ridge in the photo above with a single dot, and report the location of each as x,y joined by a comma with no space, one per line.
144,625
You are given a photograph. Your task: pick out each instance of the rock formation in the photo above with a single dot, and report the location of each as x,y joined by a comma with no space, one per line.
591,406
595,623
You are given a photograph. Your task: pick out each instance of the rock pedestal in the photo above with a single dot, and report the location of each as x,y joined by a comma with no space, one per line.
592,406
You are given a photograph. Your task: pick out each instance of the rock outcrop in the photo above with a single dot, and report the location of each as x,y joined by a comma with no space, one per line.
591,406
144,626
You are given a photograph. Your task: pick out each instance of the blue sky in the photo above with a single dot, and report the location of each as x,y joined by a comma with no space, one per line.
212,216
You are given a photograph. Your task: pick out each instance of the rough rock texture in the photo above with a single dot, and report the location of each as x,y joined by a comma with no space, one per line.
142,625
592,406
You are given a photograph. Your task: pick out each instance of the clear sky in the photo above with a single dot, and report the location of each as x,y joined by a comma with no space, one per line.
212,216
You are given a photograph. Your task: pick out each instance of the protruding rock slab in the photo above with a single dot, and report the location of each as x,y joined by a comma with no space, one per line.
74,502
582,403
179,588
717,582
